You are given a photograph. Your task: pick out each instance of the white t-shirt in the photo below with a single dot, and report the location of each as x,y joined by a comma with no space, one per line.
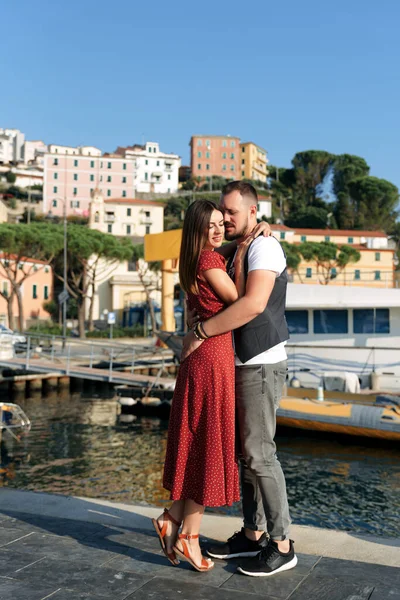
266,253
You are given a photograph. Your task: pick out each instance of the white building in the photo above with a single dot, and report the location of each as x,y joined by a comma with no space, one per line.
264,208
27,177
118,285
11,145
125,216
155,171
33,152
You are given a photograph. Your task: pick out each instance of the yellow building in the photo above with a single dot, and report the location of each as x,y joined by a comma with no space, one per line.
253,162
374,269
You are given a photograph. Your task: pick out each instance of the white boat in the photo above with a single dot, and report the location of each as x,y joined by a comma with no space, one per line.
353,330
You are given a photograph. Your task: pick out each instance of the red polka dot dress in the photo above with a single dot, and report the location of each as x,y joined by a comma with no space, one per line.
200,461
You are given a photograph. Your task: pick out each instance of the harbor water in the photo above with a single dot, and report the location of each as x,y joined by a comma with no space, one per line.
79,445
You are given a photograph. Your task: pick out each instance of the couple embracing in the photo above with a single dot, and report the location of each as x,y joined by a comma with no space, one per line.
229,383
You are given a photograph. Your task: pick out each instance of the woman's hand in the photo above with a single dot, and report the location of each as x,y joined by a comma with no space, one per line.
192,318
261,228
242,250
190,344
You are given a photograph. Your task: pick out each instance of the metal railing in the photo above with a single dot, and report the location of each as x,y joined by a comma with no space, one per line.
112,357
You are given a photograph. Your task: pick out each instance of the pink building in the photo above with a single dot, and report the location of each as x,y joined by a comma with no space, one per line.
73,173
36,289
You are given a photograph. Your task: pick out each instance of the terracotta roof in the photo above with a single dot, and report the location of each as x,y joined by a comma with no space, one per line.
344,232
265,198
279,227
136,201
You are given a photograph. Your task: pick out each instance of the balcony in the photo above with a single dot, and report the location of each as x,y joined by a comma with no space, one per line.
146,221
109,218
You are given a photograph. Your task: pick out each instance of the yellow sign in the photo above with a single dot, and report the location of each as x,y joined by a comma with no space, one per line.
162,246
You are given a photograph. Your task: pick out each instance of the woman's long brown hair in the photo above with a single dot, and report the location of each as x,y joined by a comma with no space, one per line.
194,236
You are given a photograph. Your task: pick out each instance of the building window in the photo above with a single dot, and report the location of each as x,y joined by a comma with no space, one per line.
333,273
54,203
147,229
208,142
232,167
207,155
92,164
124,180
75,163
154,150
371,320
243,149
158,163
55,161
327,238
224,155
207,167
232,144
282,235
55,189
128,230
109,165
92,178
232,155
124,166
109,178
331,321
146,162
101,165
242,173
146,176
46,292
91,190
297,321
224,167
55,176
75,191
199,142
224,144
377,256
109,228
357,274
108,193
75,177
97,217
124,193
199,167
128,212
377,276
199,154
303,238
34,291
46,269
74,203
350,240
309,272
242,161
169,177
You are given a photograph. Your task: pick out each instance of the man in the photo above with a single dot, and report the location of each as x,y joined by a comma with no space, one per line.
260,333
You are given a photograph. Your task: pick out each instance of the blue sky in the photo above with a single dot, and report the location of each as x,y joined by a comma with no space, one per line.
288,75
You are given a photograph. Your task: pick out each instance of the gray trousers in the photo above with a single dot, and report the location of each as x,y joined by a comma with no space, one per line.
258,393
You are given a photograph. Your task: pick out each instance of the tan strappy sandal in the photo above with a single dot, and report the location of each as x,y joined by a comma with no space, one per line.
206,563
163,532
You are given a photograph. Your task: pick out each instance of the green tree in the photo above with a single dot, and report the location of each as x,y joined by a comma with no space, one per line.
310,169
375,201
90,254
346,168
327,256
146,272
312,217
293,258
18,244
11,177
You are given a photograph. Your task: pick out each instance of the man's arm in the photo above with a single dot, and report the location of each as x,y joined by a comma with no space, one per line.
260,284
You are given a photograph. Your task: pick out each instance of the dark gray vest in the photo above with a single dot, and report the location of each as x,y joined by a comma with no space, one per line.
267,329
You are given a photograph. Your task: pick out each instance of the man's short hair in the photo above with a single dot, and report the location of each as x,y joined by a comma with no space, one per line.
244,188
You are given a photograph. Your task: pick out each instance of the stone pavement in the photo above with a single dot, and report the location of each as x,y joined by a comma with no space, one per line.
75,548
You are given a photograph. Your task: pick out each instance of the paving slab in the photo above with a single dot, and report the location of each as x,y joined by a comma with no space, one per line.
83,549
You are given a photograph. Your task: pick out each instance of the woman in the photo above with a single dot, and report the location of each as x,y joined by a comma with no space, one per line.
200,467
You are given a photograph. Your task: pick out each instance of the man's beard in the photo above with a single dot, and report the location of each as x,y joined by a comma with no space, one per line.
235,235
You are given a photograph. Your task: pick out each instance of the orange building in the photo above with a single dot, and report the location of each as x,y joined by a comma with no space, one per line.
215,155
36,289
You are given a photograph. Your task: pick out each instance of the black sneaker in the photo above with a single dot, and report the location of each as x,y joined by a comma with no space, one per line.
269,561
238,546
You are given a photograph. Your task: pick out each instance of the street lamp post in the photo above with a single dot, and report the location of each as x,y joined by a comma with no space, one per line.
63,297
